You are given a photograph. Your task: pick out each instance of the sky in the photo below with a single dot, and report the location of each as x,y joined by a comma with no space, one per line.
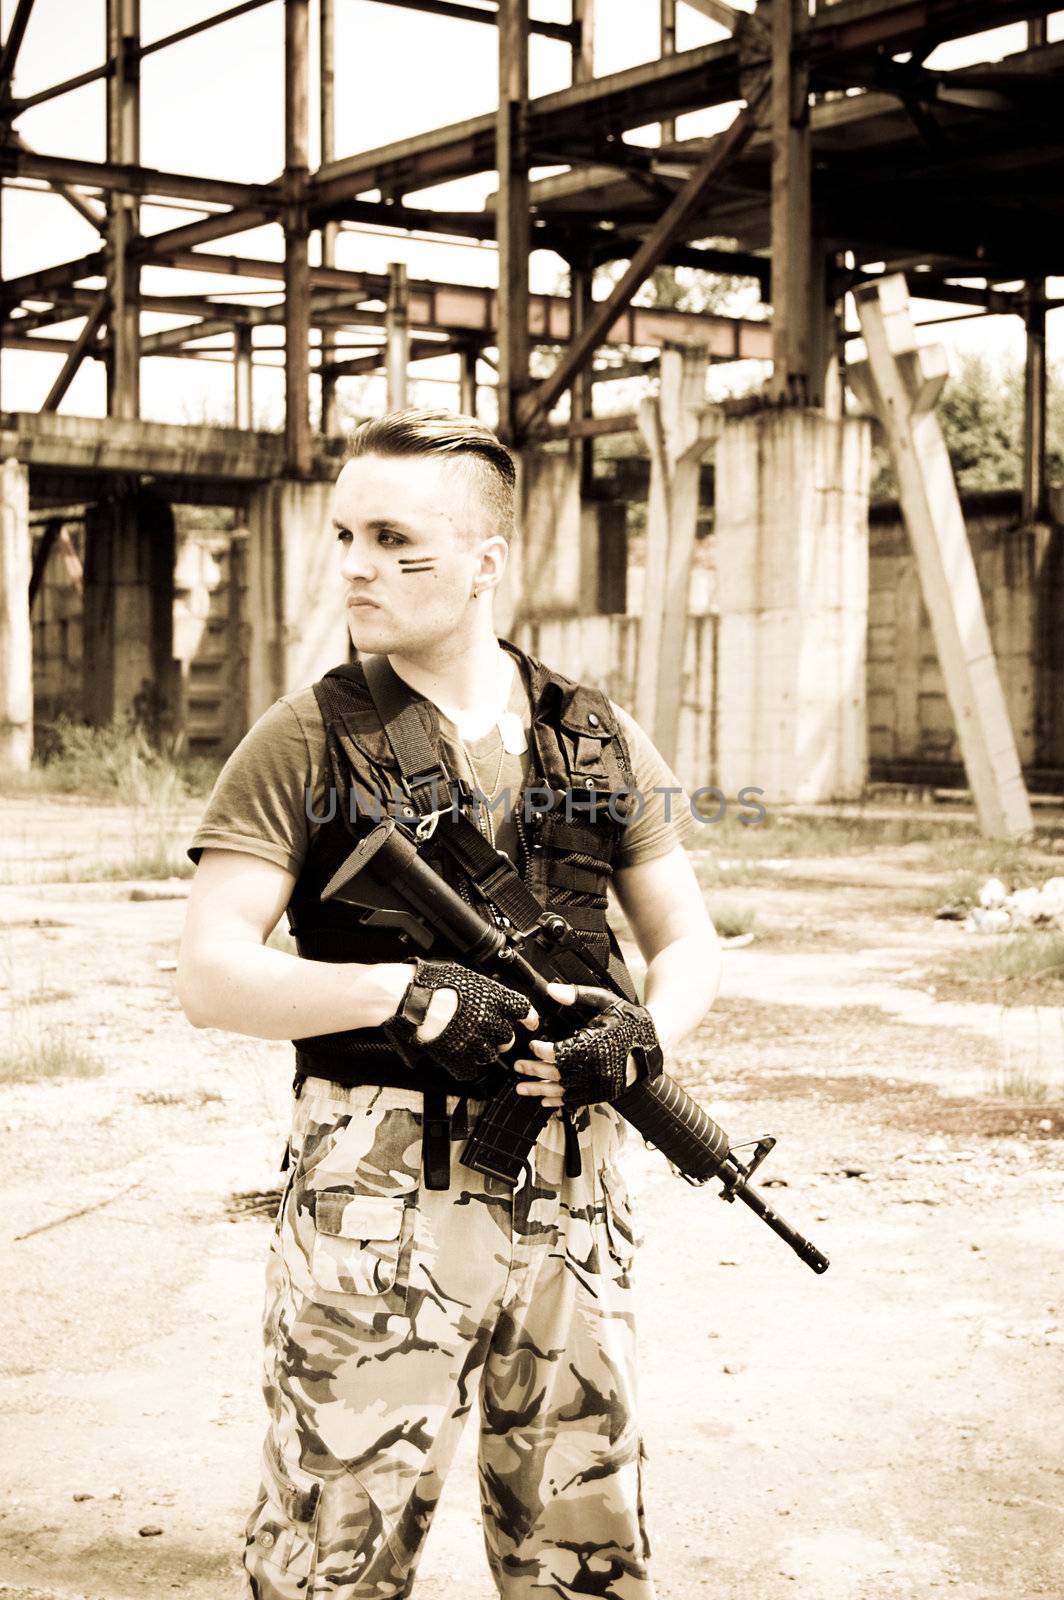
213,105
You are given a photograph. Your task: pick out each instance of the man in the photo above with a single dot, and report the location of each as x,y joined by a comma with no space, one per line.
398,1278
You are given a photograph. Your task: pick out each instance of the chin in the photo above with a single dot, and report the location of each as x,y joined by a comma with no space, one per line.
369,632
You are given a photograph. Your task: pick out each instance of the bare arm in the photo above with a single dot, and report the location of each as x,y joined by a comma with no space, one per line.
676,938
228,978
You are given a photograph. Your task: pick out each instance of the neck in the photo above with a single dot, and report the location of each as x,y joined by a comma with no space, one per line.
469,683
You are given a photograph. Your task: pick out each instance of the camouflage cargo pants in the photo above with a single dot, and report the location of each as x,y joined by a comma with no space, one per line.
386,1302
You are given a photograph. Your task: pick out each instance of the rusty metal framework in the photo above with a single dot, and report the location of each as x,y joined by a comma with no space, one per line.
848,153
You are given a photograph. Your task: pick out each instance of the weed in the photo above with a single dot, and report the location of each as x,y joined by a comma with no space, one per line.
1025,954
1015,1083
116,759
43,996
730,919
28,1057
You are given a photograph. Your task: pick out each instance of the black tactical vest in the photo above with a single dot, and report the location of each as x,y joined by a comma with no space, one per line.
570,816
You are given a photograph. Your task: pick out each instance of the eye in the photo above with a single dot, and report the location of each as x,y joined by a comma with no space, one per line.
390,540
343,535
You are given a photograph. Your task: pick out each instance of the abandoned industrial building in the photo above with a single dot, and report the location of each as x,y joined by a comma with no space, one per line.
766,626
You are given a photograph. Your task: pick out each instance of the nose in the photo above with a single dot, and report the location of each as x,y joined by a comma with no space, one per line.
357,563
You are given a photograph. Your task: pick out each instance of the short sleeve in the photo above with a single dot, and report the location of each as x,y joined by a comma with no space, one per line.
259,802
662,818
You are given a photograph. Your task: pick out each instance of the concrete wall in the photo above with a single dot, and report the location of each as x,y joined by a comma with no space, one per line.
57,630
1021,576
16,651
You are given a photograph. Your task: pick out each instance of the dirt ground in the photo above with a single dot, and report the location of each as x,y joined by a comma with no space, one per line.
890,1429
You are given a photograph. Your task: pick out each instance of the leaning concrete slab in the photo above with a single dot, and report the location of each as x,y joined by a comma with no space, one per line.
901,382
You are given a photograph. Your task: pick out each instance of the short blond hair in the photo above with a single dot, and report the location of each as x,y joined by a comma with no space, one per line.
424,431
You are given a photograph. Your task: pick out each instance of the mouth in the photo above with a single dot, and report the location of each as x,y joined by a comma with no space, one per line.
358,602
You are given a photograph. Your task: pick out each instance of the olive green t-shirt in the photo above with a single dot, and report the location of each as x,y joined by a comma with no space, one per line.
276,781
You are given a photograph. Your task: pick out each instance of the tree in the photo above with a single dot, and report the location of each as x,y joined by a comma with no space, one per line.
981,412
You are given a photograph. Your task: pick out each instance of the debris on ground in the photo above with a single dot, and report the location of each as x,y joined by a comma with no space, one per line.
1001,910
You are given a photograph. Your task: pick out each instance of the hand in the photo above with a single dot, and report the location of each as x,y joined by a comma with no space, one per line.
467,1020
600,1060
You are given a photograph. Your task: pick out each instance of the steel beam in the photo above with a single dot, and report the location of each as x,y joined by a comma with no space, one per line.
80,348
296,230
123,213
488,14
718,11
667,47
467,380
397,336
330,416
12,45
649,255
91,211
791,207
133,179
219,226
40,284
243,379
689,81
513,231
95,74
861,26
582,43
1034,405
630,99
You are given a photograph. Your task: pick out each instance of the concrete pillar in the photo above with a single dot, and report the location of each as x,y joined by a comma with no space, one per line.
296,622
16,643
546,574
677,429
792,564
128,655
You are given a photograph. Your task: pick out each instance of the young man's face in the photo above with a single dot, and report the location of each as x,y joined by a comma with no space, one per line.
412,531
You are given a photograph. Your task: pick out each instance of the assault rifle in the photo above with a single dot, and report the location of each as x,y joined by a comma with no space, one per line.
510,1124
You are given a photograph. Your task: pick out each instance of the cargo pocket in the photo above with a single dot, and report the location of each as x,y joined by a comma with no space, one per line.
282,1530
362,1244
621,1236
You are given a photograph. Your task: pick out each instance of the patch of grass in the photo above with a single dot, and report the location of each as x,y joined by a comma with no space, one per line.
32,1056
1027,954
730,919
115,760
47,997
163,862
1016,1083
195,1098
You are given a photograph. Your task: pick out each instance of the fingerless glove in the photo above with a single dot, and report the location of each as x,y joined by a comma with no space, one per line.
484,1019
593,1062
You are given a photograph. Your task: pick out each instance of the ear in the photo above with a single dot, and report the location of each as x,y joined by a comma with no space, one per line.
493,554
